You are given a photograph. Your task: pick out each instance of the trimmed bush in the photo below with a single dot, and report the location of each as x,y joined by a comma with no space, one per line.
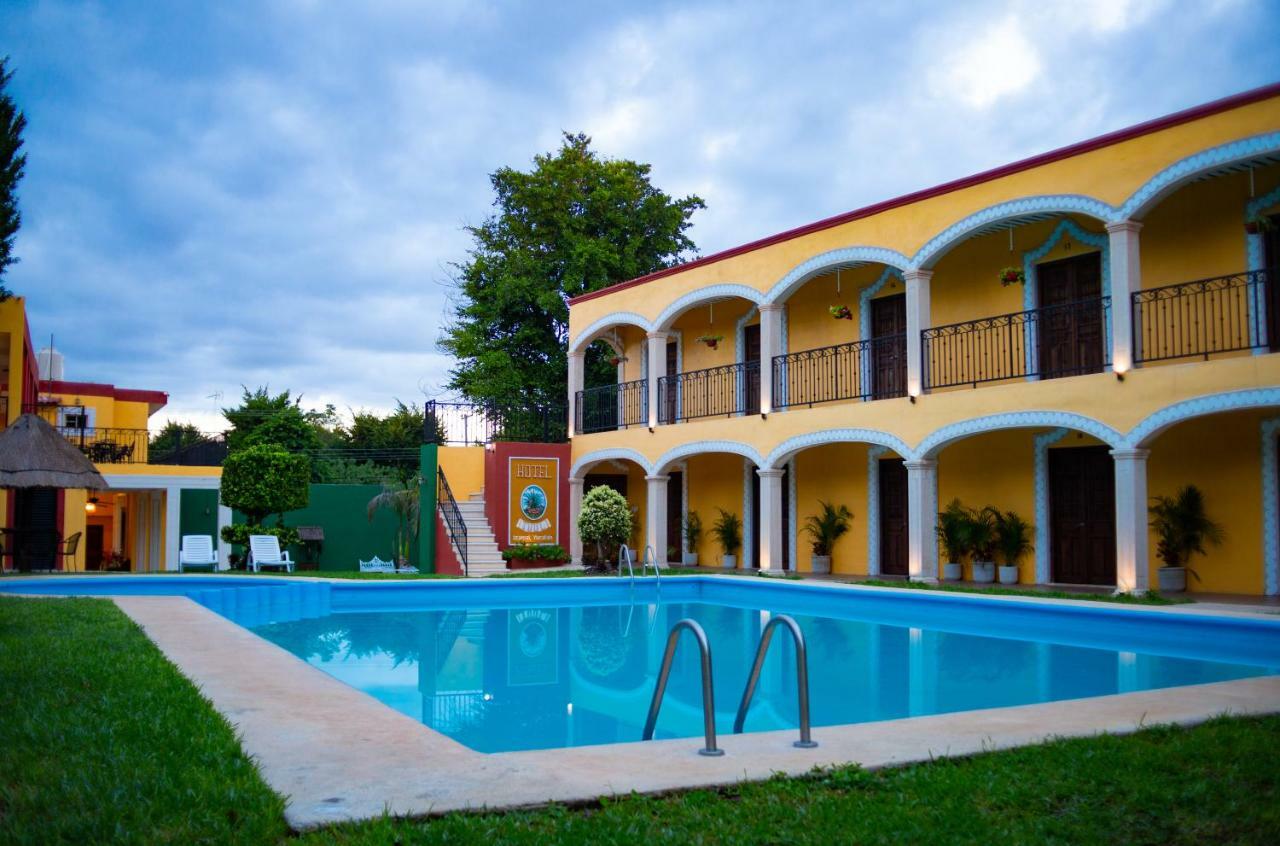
262,480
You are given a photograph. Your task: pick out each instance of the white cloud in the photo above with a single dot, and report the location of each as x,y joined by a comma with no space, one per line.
987,65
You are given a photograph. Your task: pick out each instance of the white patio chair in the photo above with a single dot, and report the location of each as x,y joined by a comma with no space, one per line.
197,553
264,551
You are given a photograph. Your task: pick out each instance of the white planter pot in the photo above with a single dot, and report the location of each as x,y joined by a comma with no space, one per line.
689,559
729,562
1172,579
952,572
820,563
984,572
1008,575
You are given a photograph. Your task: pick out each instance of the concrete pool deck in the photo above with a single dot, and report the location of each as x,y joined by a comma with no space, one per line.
338,754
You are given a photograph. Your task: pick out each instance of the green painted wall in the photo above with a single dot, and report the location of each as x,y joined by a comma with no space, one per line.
198,513
349,536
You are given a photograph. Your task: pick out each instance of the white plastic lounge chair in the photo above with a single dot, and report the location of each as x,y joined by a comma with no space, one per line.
377,565
197,553
264,551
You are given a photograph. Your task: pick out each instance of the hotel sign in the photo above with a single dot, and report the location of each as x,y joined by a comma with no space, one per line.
533,491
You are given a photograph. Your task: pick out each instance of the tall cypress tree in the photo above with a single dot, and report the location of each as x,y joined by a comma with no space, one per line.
12,163
575,223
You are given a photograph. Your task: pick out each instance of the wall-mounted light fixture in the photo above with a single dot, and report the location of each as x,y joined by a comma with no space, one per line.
91,505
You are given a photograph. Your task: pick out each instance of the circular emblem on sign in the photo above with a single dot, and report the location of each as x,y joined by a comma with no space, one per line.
533,638
533,502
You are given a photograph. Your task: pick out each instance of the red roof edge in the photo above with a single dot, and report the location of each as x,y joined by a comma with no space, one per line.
1137,130
98,389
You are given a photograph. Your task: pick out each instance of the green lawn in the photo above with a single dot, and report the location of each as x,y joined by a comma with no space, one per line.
1151,598
103,741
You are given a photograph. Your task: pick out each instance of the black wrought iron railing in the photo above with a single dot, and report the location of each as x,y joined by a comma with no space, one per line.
1206,316
1068,339
463,423
454,524
872,369
134,446
714,392
190,450
612,407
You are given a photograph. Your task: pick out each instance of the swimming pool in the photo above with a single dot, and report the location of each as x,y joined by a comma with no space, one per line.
539,664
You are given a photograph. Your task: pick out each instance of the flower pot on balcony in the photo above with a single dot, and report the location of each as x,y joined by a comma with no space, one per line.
729,562
1008,575
820,564
984,572
1172,579
952,572
689,559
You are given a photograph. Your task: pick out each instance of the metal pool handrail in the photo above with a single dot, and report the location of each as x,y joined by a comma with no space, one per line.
708,696
650,557
802,678
624,554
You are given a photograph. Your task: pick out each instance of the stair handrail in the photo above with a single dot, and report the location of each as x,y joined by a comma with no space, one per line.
708,695
624,554
802,678
452,514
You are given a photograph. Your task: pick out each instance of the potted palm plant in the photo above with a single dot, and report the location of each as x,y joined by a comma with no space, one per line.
728,533
953,535
1182,527
982,543
825,528
1013,540
692,534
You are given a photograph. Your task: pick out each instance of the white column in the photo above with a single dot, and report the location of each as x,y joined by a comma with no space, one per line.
770,518
922,518
1126,278
917,321
575,385
575,508
770,345
657,352
1131,520
224,548
172,526
655,522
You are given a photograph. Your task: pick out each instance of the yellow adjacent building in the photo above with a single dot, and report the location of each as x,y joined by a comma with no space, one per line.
1065,337
155,495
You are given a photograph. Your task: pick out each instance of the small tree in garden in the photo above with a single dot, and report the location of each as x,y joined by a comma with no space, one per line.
403,503
605,520
264,479
1182,527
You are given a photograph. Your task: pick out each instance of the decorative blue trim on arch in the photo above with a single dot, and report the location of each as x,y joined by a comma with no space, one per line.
940,244
612,454
935,442
705,447
1042,443
783,451
1270,508
702,295
1184,170
873,508
1151,426
814,266
617,318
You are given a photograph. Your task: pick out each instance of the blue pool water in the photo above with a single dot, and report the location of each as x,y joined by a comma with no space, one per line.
550,663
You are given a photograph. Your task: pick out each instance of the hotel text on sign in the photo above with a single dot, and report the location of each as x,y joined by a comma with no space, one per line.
533,490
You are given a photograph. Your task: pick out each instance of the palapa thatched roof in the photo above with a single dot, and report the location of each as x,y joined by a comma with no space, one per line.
34,455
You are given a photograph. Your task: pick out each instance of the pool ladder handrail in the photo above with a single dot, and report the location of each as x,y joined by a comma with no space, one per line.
802,678
624,554
650,558
708,695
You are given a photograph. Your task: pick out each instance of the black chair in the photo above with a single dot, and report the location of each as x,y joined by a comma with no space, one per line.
68,551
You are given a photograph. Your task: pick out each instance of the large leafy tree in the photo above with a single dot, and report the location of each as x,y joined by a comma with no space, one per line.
575,223
12,163
266,418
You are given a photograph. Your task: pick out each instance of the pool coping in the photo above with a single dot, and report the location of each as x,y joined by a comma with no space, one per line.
338,754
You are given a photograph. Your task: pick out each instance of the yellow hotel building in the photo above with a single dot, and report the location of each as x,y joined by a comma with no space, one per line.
877,360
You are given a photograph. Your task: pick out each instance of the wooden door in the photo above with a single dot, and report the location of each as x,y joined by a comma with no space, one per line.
751,375
35,537
1082,516
889,359
671,402
754,540
1271,281
93,546
675,515
1070,338
893,517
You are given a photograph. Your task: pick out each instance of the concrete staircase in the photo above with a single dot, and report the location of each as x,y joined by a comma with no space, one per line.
483,556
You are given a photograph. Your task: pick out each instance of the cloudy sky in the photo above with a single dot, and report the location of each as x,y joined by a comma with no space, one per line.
272,191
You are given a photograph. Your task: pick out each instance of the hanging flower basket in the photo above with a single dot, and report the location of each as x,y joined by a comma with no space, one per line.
617,359
841,312
1012,276
1257,224
712,341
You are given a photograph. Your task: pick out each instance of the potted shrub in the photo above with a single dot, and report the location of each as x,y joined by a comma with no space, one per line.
532,556
605,520
692,534
825,528
953,536
982,543
841,312
712,341
728,533
1013,540
1182,527
1012,276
